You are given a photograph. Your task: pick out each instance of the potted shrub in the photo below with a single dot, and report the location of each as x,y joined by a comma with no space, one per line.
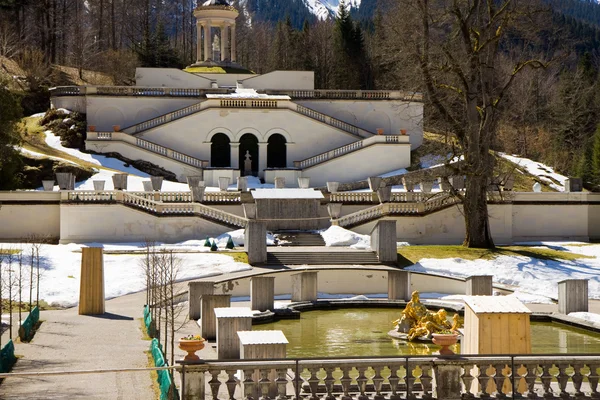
191,344
445,338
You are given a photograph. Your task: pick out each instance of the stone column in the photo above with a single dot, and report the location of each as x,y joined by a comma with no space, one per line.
223,29
262,293
230,321
195,292
208,323
233,47
199,42
255,242
262,158
383,241
234,148
399,285
572,296
479,285
207,43
304,286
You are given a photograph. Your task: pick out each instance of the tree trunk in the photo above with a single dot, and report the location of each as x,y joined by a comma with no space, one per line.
476,216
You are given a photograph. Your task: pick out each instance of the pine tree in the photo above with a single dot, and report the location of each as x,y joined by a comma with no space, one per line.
10,159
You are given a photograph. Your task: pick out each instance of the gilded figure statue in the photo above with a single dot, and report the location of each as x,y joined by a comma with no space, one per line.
416,321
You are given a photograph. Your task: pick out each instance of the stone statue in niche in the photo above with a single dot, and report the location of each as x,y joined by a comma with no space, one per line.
248,163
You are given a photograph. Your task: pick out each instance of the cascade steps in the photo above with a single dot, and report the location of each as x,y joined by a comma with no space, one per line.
295,239
322,258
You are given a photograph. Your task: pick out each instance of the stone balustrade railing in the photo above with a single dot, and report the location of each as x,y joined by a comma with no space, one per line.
163,119
352,197
147,145
367,214
222,197
410,378
340,151
161,197
350,94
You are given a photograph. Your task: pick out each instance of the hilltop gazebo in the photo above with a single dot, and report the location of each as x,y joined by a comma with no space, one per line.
215,14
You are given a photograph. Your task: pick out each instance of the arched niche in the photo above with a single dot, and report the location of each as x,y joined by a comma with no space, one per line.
249,143
220,151
276,151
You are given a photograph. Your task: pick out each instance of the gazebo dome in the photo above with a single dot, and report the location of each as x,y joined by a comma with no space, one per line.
216,3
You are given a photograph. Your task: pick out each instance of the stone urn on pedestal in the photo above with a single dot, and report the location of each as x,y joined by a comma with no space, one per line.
191,344
445,340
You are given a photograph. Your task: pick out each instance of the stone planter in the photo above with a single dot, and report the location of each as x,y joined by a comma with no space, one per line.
332,187
445,340
156,182
426,186
116,128
194,180
147,186
48,185
334,210
120,181
242,183
191,346
66,180
224,183
384,194
92,128
279,182
374,183
403,131
98,185
249,210
303,183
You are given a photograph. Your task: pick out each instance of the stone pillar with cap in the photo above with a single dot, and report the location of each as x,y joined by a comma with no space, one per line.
255,242
208,323
383,241
304,286
262,158
196,289
230,321
573,296
262,293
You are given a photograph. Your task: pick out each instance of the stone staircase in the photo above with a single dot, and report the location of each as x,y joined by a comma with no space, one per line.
307,257
296,239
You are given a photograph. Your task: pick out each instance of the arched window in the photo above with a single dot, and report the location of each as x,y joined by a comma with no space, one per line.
220,153
276,151
249,143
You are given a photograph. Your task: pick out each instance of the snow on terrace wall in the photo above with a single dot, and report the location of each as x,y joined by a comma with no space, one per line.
391,115
169,77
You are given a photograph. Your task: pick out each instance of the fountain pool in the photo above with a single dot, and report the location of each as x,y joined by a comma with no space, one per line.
363,332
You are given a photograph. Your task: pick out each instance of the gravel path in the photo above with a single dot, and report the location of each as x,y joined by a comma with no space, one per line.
67,341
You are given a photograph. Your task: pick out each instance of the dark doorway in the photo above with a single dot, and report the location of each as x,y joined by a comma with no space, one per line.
276,152
249,143
220,153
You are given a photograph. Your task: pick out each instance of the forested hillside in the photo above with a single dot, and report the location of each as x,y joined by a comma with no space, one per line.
553,115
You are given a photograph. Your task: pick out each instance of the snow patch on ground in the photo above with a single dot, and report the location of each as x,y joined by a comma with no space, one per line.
542,171
586,316
534,277
336,236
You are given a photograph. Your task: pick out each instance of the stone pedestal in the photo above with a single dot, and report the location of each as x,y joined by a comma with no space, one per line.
156,182
479,285
448,381
383,241
279,182
304,286
229,322
255,242
192,377
573,296
208,304
195,292
257,345
262,293
399,285
91,289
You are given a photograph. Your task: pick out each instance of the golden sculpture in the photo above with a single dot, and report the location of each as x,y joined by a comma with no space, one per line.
416,321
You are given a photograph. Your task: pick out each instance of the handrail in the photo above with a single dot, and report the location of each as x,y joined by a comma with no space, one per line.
163,119
350,94
349,148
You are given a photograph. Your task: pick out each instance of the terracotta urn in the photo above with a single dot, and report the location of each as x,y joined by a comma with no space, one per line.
191,346
445,340
92,128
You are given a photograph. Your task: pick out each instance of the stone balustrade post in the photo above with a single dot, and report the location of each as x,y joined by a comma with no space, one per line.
304,286
383,241
399,285
573,296
262,293
208,322
479,285
196,290
448,382
193,380
255,242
